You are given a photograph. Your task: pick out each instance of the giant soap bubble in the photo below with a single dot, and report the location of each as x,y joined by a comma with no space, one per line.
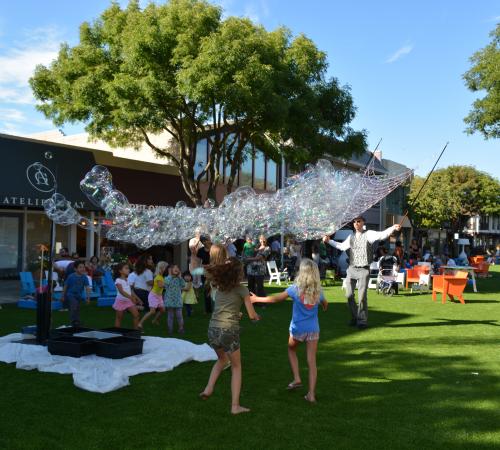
313,203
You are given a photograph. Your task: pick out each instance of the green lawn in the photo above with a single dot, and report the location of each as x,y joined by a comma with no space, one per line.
423,376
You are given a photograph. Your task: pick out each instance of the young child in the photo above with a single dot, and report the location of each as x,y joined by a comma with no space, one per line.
125,300
188,294
306,295
155,296
174,285
74,287
224,327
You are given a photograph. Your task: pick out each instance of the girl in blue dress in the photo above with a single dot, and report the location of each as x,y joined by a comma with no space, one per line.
306,295
174,284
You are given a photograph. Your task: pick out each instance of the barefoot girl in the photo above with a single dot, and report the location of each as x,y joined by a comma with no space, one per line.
224,327
304,327
174,284
155,297
125,300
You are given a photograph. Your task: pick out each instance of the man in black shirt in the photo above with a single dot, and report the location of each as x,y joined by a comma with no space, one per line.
204,254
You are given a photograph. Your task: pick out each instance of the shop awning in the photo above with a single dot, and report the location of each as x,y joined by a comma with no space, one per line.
31,168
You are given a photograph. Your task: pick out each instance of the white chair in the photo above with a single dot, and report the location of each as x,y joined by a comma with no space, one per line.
55,277
275,274
372,283
400,279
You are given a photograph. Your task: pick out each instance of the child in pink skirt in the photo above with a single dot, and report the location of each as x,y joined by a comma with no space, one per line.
125,300
155,298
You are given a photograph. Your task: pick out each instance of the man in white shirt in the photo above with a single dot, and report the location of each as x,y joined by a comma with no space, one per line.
359,245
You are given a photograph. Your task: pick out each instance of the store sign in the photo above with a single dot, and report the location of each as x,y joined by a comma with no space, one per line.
41,177
31,201
30,176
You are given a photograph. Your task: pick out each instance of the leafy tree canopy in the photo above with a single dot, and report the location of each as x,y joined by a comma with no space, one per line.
453,194
179,70
484,75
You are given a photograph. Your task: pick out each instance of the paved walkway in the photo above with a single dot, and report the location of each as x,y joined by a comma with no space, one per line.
9,291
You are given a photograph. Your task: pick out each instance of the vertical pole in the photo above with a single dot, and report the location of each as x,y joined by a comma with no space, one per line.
282,185
44,297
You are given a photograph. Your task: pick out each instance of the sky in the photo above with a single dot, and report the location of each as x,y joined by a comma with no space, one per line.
403,61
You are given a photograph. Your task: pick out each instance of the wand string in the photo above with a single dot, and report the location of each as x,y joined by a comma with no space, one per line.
371,156
424,183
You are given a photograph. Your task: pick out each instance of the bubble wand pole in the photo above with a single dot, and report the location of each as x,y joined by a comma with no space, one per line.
424,183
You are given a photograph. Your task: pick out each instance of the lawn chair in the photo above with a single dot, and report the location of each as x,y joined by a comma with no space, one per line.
27,284
481,268
108,284
451,285
275,274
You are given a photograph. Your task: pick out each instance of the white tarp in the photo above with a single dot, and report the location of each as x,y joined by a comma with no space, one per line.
96,374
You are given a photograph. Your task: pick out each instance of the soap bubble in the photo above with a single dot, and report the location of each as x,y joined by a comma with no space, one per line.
315,202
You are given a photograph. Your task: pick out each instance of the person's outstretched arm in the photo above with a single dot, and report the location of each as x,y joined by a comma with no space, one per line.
373,236
276,298
250,309
342,246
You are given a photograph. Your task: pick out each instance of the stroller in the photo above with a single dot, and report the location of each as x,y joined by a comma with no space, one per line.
387,275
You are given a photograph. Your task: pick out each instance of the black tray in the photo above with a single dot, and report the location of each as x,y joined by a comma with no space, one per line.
68,331
119,347
71,346
129,332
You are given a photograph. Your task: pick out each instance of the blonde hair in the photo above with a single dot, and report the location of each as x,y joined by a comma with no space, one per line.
160,267
308,281
218,254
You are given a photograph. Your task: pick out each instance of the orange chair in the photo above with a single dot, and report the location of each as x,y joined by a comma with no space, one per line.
476,259
481,268
413,275
451,285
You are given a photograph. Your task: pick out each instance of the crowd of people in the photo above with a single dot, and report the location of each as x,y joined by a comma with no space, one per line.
215,280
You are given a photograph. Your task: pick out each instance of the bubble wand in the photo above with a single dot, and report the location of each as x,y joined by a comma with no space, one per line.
425,182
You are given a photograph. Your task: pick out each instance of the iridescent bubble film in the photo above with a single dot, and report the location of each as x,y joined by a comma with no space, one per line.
316,202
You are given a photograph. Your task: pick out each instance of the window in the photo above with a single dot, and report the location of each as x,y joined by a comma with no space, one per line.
9,242
201,158
272,175
259,175
245,178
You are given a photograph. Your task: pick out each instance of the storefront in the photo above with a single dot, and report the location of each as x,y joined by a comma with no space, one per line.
34,170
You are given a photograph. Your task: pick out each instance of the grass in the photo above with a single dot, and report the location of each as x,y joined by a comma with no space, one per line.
423,376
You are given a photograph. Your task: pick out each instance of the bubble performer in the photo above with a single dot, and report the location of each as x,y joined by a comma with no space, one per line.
359,245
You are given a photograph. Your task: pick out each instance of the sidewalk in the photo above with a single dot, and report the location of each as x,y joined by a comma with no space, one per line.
9,291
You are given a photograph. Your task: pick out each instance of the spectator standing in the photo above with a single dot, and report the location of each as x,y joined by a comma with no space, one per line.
75,287
142,279
256,269
204,255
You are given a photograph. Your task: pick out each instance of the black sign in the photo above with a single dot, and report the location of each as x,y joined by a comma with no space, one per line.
34,170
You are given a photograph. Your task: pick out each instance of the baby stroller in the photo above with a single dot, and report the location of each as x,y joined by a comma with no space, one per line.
387,275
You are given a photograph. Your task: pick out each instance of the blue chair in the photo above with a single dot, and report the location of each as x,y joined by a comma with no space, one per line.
108,284
105,301
31,304
27,283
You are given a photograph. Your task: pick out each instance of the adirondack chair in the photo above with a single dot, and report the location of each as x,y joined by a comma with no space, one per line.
27,284
275,274
481,268
413,275
108,284
449,285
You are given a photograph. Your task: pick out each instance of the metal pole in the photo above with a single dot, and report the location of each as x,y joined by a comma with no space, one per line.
282,185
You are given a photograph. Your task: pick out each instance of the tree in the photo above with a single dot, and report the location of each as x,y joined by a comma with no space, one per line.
484,75
179,70
452,195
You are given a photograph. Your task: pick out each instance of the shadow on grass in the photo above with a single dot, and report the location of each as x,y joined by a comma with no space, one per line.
445,322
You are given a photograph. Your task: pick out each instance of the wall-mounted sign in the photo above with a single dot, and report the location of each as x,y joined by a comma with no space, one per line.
41,177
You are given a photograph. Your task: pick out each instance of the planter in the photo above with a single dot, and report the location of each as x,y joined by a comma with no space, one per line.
71,346
119,347
68,331
128,332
